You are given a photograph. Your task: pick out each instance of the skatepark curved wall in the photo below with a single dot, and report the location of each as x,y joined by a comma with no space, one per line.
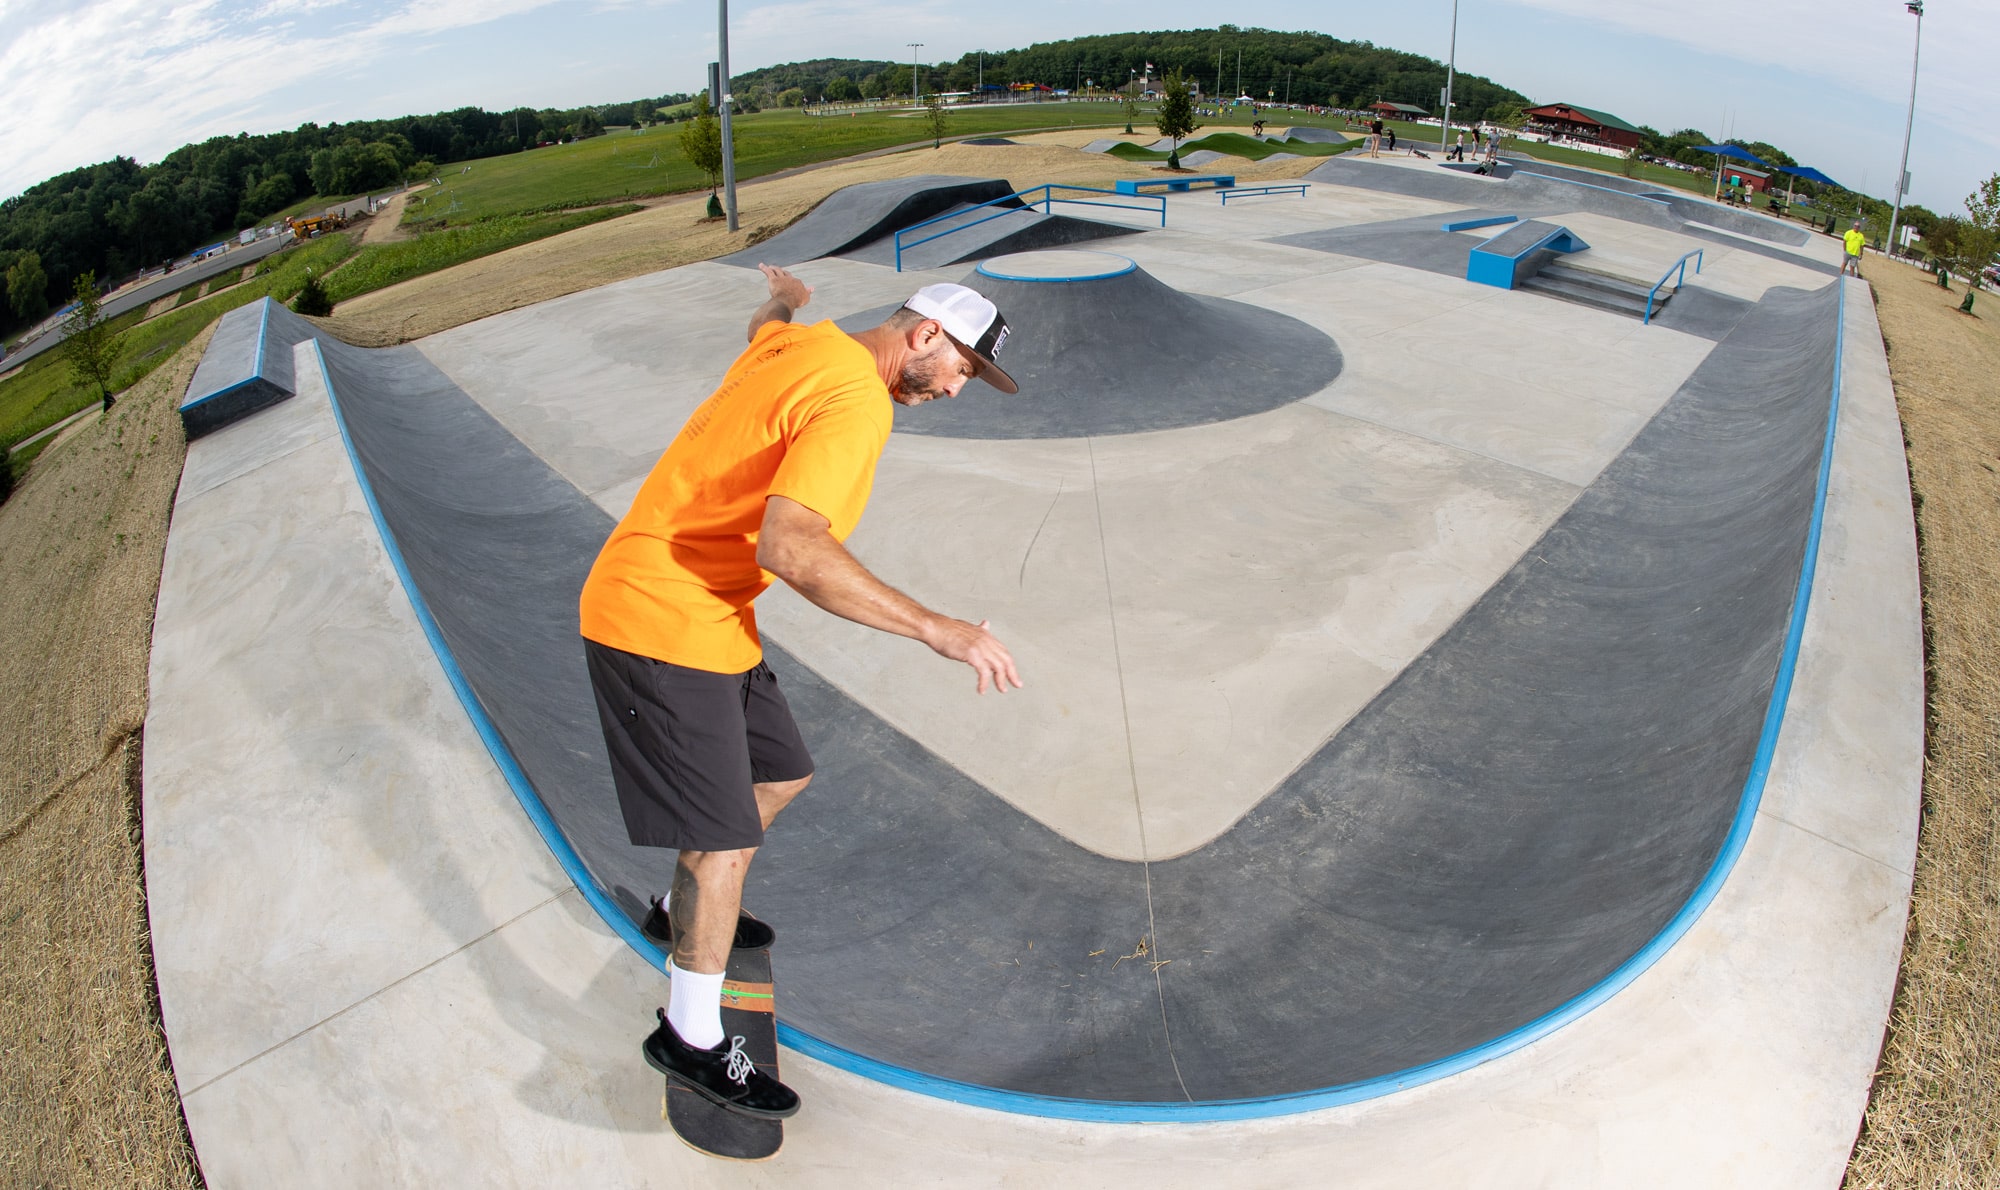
1520,812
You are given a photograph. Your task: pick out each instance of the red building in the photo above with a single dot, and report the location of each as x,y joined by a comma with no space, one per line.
1584,124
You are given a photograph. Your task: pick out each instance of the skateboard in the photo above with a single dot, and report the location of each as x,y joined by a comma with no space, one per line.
749,1011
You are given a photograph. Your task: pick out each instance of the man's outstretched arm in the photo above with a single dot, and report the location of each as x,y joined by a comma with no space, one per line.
795,544
788,293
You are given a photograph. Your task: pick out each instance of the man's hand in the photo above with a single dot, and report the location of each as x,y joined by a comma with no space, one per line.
786,287
975,645
788,294
795,544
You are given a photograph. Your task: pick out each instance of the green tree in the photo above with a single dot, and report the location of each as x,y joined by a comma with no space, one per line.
1982,207
1131,107
934,117
312,298
28,287
1176,114
87,341
701,143
841,89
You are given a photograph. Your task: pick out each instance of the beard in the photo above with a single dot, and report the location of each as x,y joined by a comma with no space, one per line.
924,378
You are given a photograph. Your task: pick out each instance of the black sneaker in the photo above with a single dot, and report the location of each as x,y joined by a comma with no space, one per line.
722,1075
751,934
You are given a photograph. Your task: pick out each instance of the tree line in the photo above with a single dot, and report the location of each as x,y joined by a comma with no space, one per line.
117,217
1300,68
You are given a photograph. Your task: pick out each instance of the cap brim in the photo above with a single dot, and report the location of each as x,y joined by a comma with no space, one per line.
989,371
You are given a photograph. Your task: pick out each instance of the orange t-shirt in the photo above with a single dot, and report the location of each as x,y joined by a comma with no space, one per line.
802,413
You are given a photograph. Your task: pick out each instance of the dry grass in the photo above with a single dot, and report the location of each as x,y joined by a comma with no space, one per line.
1934,1117
87,1097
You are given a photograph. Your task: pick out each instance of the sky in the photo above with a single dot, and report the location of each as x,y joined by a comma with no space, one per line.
1828,81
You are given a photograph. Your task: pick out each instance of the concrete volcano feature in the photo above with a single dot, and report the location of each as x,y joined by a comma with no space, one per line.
1100,346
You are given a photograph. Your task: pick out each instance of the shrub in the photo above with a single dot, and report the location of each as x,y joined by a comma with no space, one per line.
6,472
312,298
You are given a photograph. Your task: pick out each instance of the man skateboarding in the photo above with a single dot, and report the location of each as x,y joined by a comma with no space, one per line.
766,480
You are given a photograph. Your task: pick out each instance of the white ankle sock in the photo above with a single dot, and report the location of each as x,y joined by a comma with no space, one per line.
694,1006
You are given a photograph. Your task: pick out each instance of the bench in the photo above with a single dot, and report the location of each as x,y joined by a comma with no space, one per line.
1176,185
1498,261
1246,191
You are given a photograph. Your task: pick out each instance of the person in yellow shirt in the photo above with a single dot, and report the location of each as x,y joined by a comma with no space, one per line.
1855,239
765,481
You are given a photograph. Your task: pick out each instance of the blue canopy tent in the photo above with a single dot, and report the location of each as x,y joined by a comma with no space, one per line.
1809,174
1722,151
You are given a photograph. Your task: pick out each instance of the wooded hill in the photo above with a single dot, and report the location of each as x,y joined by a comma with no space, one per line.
1288,67
120,216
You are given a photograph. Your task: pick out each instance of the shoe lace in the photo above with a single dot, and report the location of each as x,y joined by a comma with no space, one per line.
739,1067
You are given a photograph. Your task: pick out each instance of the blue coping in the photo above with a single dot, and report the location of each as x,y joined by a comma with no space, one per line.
1487,266
1469,224
231,397
1135,185
1192,1112
1115,266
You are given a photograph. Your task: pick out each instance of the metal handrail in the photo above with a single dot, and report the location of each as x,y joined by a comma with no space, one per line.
1680,264
1047,201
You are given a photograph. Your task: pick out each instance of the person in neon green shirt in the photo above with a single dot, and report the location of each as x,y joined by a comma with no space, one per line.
1854,239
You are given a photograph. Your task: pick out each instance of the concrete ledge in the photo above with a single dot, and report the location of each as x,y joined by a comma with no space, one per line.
245,369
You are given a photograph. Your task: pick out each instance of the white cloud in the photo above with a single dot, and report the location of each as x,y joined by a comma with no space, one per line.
114,77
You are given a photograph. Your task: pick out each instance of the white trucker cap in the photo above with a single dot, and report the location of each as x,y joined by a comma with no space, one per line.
972,321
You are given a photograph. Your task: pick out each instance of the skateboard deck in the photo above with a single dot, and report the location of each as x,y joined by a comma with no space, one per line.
749,1011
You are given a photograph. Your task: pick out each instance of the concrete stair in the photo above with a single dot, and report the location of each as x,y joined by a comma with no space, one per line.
1588,288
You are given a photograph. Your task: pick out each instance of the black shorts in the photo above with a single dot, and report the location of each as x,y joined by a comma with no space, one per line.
686,746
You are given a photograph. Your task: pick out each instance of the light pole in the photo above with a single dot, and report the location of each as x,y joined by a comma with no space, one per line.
722,88
1450,69
914,47
1916,8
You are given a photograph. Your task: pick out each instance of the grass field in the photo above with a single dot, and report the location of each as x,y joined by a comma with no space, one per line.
43,394
379,266
648,162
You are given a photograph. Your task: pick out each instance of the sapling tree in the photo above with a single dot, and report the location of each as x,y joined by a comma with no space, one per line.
1176,115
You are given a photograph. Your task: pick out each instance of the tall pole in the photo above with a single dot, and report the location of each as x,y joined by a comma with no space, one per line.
1450,69
728,101
914,47
1916,7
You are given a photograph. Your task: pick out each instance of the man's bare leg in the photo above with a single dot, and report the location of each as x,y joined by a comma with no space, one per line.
704,904
707,893
773,796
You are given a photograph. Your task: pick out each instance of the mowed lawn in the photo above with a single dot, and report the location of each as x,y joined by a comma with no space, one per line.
626,164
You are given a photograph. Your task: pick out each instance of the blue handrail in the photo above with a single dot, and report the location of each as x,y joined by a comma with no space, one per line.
1682,265
1047,200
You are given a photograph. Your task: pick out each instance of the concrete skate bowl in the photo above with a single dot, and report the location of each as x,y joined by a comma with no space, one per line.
1528,814
860,222
1100,346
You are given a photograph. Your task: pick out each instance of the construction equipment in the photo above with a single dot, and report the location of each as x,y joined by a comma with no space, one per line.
307,228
